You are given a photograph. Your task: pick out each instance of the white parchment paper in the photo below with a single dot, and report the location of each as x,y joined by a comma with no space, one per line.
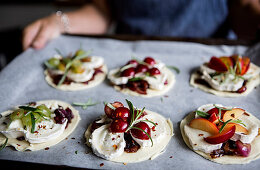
23,81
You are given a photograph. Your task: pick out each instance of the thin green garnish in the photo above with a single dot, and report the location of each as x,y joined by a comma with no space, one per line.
136,79
58,51
126,67
174,68
76,152
202,114
135,117
4,145
220,112
231,121
161,99
87,104
33,123
68,65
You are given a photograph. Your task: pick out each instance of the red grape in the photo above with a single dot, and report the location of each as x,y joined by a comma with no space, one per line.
118,126
121,113
154,71
149,60
141,68
128,72
132,62
110,111
243,149
140,134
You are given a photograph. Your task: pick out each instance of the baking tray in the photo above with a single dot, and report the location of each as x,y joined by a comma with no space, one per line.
23,81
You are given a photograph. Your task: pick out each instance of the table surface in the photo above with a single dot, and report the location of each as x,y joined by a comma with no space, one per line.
23,165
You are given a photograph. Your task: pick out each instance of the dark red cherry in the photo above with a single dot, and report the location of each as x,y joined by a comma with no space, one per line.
121,113
140,134
215,110
154,71
132,62
141,68
128,72
118,126
110,111
149,60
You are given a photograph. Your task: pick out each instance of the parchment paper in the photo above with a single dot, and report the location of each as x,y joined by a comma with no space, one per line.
23,81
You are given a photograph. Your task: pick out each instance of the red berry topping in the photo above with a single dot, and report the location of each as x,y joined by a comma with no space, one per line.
140,134
154,71
118,126
149,60
110,111
141,68
128,72
215,110
121,113
132,62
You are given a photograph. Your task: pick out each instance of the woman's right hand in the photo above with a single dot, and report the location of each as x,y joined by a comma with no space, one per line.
38,33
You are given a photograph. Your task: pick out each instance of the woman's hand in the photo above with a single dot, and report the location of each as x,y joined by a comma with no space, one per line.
39,32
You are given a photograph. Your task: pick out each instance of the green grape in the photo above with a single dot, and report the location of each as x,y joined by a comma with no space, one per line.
26,120
17,114
66,60
54,62
45,110
61,67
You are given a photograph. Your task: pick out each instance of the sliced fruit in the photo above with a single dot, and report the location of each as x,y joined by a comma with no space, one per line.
109,111
216,111
224,136
216,64
227,61
154,71
239,128
128,72
17,114
243,149
54,62
141,68
118,126
213,118
205,125
140,134
61,67
121,113
245,66
149,60
235,113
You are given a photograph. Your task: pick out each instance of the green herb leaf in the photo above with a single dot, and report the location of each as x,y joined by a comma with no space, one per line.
4,145
33,123
58,51
202,114
131,108
238,121
144,132
222,108
76,152
148,122
174,68
28,108
135,79
111,106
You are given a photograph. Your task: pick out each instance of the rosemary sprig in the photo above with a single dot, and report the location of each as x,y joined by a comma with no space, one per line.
174,68
69,64
220,112
135,117
225,123
202,114
86,105
4,145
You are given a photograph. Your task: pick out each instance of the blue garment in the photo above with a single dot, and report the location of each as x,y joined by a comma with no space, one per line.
179,18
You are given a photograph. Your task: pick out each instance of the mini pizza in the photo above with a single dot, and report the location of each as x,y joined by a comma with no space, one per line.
128,135
38,125
77,72
145,78
226,135
232,76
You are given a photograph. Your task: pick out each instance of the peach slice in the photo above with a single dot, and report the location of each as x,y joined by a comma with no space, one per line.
205,125
239,128
224,136
213,118
227,61
235,113
216,64
245,66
